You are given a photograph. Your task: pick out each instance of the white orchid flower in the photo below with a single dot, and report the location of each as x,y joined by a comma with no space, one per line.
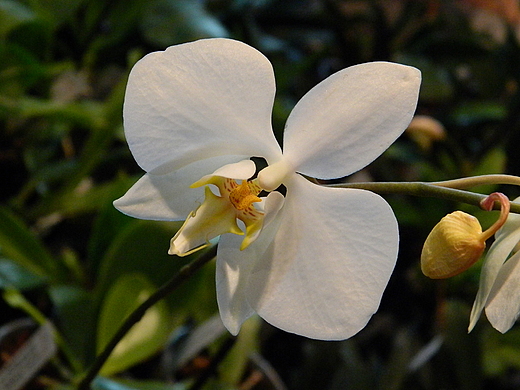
314,262
499,288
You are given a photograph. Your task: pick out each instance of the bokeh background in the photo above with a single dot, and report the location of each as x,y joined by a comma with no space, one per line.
67,256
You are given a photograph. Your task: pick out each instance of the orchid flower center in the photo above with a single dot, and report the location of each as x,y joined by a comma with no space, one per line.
243,195
218,214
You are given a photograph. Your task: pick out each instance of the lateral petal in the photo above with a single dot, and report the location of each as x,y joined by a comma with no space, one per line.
325,271
350,118
198,100
168,197
503,306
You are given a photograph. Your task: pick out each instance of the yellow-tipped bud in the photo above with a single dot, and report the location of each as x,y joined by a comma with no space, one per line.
457,241
454,245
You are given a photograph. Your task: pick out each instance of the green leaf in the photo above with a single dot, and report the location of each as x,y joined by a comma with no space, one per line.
75,311
142,247
12,274
19,244
146,337
109,221
57,11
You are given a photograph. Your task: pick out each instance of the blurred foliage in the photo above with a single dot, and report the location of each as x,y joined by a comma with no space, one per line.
66,255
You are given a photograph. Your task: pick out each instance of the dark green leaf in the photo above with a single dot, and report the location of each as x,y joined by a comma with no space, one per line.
19,244
12,274
74,307
146,337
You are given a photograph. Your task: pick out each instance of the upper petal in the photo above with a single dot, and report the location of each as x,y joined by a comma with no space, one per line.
197,100
325,271
503,307
350,118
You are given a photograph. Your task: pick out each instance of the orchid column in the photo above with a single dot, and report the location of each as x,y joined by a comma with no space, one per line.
315,261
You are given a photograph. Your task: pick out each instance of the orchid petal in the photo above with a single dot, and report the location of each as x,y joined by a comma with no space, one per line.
349,119
169,197
512,223
234,266
495,258
241,170
271,205
231,281
503,306
325,271
198,100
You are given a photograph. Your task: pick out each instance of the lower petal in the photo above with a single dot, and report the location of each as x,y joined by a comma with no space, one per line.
503,307
325,271
234,266
495,258
233,269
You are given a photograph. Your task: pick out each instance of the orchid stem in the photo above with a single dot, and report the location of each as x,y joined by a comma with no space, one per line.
474,181
184,274
440,190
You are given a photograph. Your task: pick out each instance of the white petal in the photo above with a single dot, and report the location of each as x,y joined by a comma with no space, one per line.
198,100
169,197
503,307
512,223
233,269
273,203
349,119
234,266
495,258
325,272
231,279
241,170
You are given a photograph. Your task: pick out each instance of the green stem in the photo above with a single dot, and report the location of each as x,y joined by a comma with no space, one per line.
434,190
474,181
184,274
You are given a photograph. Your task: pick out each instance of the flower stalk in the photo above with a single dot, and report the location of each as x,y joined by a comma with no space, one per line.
448,190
